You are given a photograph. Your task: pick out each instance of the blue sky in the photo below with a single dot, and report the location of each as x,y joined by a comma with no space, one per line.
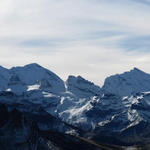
91,38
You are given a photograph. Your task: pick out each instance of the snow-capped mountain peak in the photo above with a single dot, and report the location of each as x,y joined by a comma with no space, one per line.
82,87
21,77
136,69
127,83
121,106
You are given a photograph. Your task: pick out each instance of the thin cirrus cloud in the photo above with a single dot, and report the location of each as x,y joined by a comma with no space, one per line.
139,44
92,38
146,2
49,42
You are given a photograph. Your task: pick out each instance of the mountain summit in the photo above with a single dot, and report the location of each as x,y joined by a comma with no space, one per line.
117,113
19,79
127,83
82,87
33,76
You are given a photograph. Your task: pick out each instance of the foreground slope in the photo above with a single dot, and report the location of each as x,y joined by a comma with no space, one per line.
20,131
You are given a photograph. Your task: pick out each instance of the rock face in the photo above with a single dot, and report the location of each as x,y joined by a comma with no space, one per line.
117,113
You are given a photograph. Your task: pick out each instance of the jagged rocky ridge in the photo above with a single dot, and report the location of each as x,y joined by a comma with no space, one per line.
117,113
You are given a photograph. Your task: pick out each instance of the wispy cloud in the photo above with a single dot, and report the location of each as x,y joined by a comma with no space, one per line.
43,42
91,38
145,2
139,44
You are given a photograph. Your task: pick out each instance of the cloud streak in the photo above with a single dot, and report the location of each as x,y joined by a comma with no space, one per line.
91,38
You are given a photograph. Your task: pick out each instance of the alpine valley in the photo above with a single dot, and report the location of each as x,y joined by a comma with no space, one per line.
40,111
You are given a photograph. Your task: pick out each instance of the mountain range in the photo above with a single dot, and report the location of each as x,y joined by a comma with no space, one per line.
40,111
